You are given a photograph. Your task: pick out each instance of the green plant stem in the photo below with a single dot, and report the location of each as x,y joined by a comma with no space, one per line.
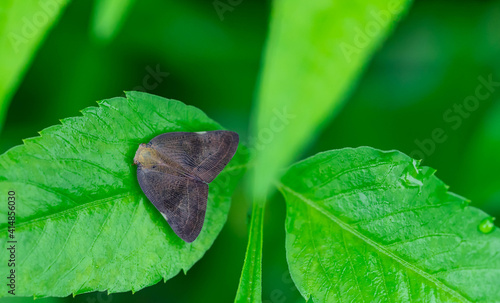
250,287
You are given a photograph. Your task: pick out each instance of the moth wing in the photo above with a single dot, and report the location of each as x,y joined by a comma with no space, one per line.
181,201
203,154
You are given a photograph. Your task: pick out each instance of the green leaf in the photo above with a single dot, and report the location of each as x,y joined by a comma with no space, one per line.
250,287
365,225
108,17
83,223
23,26
312,60
15,299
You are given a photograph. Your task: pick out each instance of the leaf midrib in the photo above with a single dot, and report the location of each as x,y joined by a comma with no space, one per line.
76,208
377,246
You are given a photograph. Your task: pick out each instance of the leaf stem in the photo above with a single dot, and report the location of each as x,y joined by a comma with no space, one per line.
250,287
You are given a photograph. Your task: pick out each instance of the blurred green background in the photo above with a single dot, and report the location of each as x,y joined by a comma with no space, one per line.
431,62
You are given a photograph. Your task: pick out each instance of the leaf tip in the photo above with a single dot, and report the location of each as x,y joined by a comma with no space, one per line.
128,94
66,121
102,103
29,140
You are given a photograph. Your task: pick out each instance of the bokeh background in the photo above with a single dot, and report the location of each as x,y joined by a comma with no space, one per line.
431,62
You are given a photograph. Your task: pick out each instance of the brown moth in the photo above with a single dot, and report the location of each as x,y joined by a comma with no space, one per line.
174,170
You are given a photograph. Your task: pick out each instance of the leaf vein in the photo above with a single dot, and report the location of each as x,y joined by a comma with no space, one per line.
378,246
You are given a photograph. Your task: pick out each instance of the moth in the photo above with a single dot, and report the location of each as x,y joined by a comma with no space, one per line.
174,170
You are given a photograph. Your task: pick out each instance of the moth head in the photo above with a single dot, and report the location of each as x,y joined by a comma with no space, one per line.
144,155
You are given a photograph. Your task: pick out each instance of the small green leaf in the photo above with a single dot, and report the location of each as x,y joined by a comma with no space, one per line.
370,226
23,25
83,223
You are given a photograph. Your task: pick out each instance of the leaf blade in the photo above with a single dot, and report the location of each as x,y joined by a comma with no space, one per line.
83,222
399,238
315,68
20,36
